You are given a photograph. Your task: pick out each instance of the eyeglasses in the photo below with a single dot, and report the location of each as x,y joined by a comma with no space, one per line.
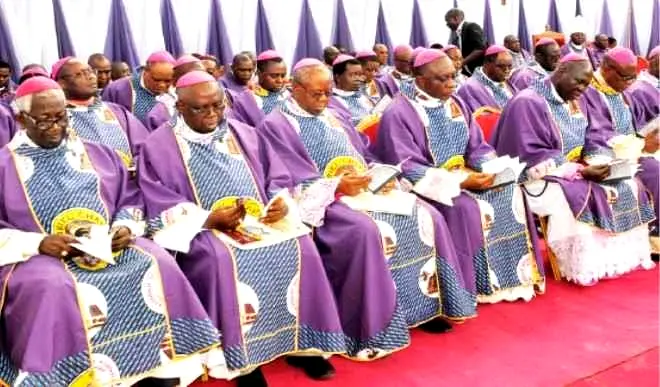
317,95
43,125
504,66
84,73
625,78
216,107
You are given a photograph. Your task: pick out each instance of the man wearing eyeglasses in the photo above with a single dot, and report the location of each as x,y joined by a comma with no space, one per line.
95,120
616,116
489,85
441,149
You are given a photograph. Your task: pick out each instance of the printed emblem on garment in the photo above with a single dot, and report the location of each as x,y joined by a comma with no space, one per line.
76,222
428,279
252,206
388,237
344,165
248,304
94,308
152,290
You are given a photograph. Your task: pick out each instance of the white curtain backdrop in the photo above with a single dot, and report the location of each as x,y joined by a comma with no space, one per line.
34,38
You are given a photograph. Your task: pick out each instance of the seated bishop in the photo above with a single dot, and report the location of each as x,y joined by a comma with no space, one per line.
88,300
145,88
348,94
95,120
623,120
595,228
442,154
432,285
263,285
546,59
489,86
251,106
390,82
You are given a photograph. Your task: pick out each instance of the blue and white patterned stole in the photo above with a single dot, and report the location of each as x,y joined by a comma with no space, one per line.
358,104
447,138
97,123
498,90
143,99
269,101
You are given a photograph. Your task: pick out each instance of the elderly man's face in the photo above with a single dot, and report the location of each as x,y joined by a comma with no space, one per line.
158,77
619,77
47,123
243,71
78,80
314,94
578,38
202,106
573,80
513,44
456,57
382,54
103,69
438,78
5,75
500,69
601,41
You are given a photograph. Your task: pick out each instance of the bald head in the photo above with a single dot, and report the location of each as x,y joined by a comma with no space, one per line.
402,58
572,78
382,53
330,53
437,78
512,43
312,88
201,105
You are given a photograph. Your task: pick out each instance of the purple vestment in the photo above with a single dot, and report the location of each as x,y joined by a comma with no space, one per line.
268,301
387,84
62,317
403,136
479,91
586,51
7,124
159,115
119,92
523,77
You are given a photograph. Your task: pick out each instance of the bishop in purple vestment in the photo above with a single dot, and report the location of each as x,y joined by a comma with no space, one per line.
614,116
577,41
348,94
267,301
595,229
239,79
599,48
7,124
431,283
434,137
390,81
70,316
489,85
144,89
519,55
546,59
251,106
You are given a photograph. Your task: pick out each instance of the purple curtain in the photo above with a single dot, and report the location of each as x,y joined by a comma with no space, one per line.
119,43
382,33
655,27
418,32
171,34
218,44
308,44
553,17
64,45
605,21
455,3
342,35
578,8
7,47
264,40
489,31
523,33
631,34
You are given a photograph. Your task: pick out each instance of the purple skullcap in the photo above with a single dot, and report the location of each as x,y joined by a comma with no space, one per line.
573,57
55,70
268,55
341,59
194,78
416,52
544,41
36,85
427,56
161,57
621,55
494,50
307,62
185,59
364,54
402,48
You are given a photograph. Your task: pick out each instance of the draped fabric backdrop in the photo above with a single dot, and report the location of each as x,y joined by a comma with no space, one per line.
35,30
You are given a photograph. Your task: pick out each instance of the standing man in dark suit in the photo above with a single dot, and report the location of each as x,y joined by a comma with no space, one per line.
469,37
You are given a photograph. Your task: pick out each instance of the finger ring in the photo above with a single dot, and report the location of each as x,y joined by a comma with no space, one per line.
64,253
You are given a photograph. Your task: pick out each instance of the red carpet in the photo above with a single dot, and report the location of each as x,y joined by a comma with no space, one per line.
606,335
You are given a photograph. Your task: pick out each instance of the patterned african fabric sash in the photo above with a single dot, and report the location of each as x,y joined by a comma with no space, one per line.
143,99
616,104
269,101
97,123
447,137
627,211
498,89
268,309
123,307
408,241
358,104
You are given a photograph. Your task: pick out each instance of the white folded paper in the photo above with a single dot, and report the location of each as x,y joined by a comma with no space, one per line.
253,234
313,201
394,202
627,147
507,170
441,185
178,235
97,243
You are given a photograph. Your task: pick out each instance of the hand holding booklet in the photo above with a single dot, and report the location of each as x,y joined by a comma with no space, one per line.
507,170
621,169
381,174
97,243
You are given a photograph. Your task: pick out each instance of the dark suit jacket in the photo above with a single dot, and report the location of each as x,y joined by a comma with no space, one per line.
472,38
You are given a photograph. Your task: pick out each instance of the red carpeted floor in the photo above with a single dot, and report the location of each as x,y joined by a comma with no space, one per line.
606,335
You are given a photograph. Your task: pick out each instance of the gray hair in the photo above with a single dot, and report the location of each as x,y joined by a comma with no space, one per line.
24,104
302,75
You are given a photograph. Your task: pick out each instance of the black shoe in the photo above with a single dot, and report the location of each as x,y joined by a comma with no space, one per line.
655,257
438,325
155,382
253,379
315,367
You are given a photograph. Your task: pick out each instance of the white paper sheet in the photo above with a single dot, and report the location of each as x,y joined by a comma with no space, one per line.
441,185
177,236
394,202
97,244
507,170
313,201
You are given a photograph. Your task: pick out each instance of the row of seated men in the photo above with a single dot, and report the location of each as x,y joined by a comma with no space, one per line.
172,176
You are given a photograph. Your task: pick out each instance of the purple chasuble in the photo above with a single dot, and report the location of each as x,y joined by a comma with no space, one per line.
132,326
7,124
268,301
523,77
479,91
159,115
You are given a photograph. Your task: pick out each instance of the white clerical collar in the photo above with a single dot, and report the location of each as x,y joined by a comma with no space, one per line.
182,129
424,99
70,142
343,93
575,47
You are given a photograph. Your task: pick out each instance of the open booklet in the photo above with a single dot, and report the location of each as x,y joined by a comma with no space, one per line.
96,243
507,170
621,169
381,174
253,234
